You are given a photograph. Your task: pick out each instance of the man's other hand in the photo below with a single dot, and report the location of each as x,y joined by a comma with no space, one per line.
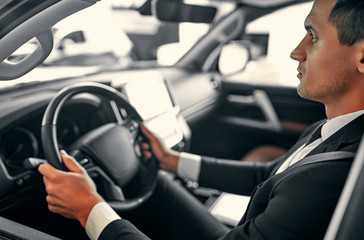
72,194
168,158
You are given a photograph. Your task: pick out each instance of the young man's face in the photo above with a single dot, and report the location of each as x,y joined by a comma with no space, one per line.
325,67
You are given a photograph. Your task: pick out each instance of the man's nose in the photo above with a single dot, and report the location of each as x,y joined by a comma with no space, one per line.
299,53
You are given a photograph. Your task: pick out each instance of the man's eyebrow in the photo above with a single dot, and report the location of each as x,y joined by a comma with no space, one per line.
309,27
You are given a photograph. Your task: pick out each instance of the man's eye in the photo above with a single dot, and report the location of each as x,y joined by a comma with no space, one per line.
312,35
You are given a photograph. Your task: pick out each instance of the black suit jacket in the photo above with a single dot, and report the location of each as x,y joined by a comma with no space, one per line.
295,204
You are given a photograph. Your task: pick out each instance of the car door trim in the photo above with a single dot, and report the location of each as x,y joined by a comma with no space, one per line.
260,99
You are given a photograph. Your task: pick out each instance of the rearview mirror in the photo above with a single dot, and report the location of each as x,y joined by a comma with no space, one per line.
177,11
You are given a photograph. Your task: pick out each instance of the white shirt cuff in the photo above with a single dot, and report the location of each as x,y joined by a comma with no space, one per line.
189,166
100,216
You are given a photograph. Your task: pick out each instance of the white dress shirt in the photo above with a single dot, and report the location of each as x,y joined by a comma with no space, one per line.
328,129
189,167
100,216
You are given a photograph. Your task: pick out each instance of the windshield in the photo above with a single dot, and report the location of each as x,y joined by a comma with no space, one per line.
113,35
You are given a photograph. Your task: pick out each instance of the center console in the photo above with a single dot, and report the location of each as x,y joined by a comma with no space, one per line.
150,95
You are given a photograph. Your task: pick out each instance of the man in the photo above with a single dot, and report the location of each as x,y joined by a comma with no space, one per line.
289,202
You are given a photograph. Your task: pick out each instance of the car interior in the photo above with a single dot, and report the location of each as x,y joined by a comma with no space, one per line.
195,105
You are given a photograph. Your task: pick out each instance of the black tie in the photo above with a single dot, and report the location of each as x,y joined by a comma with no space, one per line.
316,135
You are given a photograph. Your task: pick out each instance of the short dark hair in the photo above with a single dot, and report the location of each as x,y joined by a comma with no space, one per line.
348,18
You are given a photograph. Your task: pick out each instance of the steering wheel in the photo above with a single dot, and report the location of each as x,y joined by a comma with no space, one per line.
110,152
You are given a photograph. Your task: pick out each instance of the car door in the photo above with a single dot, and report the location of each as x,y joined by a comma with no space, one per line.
250,116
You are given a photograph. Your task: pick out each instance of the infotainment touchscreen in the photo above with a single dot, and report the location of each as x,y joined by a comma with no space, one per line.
150,97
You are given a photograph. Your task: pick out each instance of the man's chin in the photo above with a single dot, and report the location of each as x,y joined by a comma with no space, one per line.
302,93
300,90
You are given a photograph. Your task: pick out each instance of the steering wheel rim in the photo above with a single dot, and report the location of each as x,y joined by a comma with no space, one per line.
51,149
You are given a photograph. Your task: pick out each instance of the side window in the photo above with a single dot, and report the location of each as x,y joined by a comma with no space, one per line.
280,32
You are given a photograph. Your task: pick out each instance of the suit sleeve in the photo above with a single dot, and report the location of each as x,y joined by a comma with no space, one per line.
233,176
299,206
241,177
121,230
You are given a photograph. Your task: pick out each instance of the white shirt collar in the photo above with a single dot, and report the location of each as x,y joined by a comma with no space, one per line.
333,125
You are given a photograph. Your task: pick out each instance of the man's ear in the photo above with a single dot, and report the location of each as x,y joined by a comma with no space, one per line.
361,57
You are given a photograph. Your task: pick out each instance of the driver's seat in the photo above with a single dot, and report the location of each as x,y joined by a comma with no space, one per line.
264,153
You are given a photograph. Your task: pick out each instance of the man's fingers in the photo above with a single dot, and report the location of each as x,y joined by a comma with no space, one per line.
154,141
60,210
48,186
43,168
49,171
144,146
147,133
147,154
52,184
52,199
71,163
56,199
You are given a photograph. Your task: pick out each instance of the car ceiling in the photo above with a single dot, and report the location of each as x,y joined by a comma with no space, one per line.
265,3
255,3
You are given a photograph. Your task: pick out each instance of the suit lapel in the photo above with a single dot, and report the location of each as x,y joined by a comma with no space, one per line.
304,137
284,157
347,135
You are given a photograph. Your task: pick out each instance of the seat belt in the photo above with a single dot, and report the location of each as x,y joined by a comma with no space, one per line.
323,157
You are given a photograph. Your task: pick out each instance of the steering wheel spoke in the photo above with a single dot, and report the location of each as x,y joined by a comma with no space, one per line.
107,187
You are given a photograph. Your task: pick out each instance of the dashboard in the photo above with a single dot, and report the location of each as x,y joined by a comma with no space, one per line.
21,113
20,138
23,139
169,100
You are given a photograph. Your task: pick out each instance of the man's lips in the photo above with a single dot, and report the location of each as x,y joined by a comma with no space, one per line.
300,74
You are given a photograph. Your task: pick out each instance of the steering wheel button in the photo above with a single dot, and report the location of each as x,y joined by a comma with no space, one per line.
93,174
27,177
19,181
84,161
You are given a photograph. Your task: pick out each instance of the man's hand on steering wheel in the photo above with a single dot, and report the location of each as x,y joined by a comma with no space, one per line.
72,194
168,159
